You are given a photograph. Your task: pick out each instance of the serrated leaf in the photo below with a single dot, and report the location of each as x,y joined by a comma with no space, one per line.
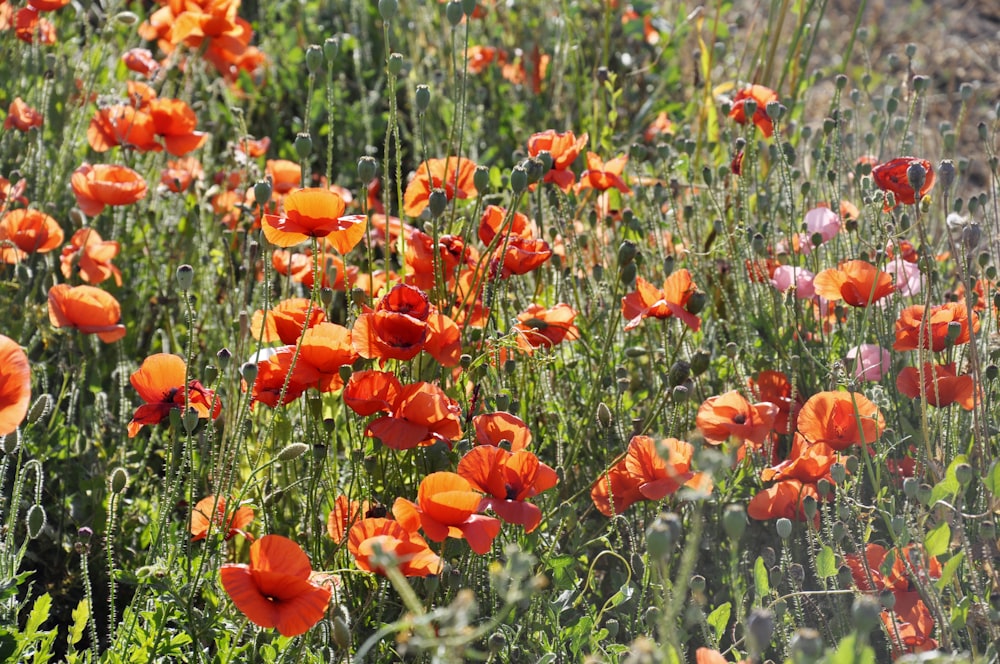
949,570
760,582
563,571
826,563
39,614
938,539
80,616
719,619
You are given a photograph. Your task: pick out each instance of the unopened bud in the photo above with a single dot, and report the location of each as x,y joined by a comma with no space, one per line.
35,521
118,481
604,417
367,169
40,409
292,451
734,521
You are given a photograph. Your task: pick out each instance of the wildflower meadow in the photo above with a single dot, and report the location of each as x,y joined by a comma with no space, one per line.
478,331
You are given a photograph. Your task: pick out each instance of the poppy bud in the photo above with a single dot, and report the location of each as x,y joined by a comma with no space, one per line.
35,520
249,372
865,614
395,64
210,374
422,98
314,58
806,646
963,473
971,236
823,487
262,192
40,409
679,372
437,202
367,168
303,144
988,530
783,527
118,481
839,531
910,487
603,415
497,642
126,18
734,521
331,48
628,274
341,633
469,7
190,420
387,9
707,175
518,179
992,372
696,302
10,441
924,494
185,277
454,13
292,451
898,525
481,178
760,628
24,273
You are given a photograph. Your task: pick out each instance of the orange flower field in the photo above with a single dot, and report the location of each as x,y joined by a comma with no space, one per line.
500,332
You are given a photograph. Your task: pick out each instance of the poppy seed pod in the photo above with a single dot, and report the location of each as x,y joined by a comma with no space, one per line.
331,48
190,419
224,355
469,7
734,521
518,179
262,192
303,144
367,169
916,175
454,13
806,646
211,373
437,202
422,98
185,277
760,629
783,527
249,372
314,58
481,178
395,64
387,9
963,473
865,614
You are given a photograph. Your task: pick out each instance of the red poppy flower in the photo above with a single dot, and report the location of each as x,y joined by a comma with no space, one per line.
615,490
893,176
325,348
90,257
880,571
909,625
840,419
647,301
928,330
601,175
806,462
479,57
402,324
299,266
88,309
410,551
22,117
564,149
210,512
273,379
285,175
783,500
29,27
508,479
446,507
499,428
538,327
160,383
175,122
31,231
419,414
762,95
660,126
15,385
274,590
730,415
421,262
314,212
346,513
122,124
180,174
941,386
527,68
106,184
284,321
141,61
454,175
775,387
858,283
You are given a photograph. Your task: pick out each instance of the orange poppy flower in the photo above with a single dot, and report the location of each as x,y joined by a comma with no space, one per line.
402,324
210,512
181,173
317,213
647,301
411,552
160,383
369,392
141,61
730,415
29,27
13,192
122,124
762,95
106,184
495,222
31,231
806,462
325,348
346,513
527,68
299,266
90,257
840,419
508,479
499,428
615,490
660,126
446,507
478,58
941,385
564,148
88,309
909,625
454,175
285,175
538,327
519,256
783,500
893,176
421,415
657,476
273,368
858,283
275,590
775,387
603,176
914,331
284,321
877,573
15,385
709,656
452,253
22,117
175,121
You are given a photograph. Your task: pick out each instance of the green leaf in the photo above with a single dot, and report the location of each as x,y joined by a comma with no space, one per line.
826,563
960,614
992,479
719,619
949,486
760,582
848,652
39,614
563,572
949,570
938,539
80,616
